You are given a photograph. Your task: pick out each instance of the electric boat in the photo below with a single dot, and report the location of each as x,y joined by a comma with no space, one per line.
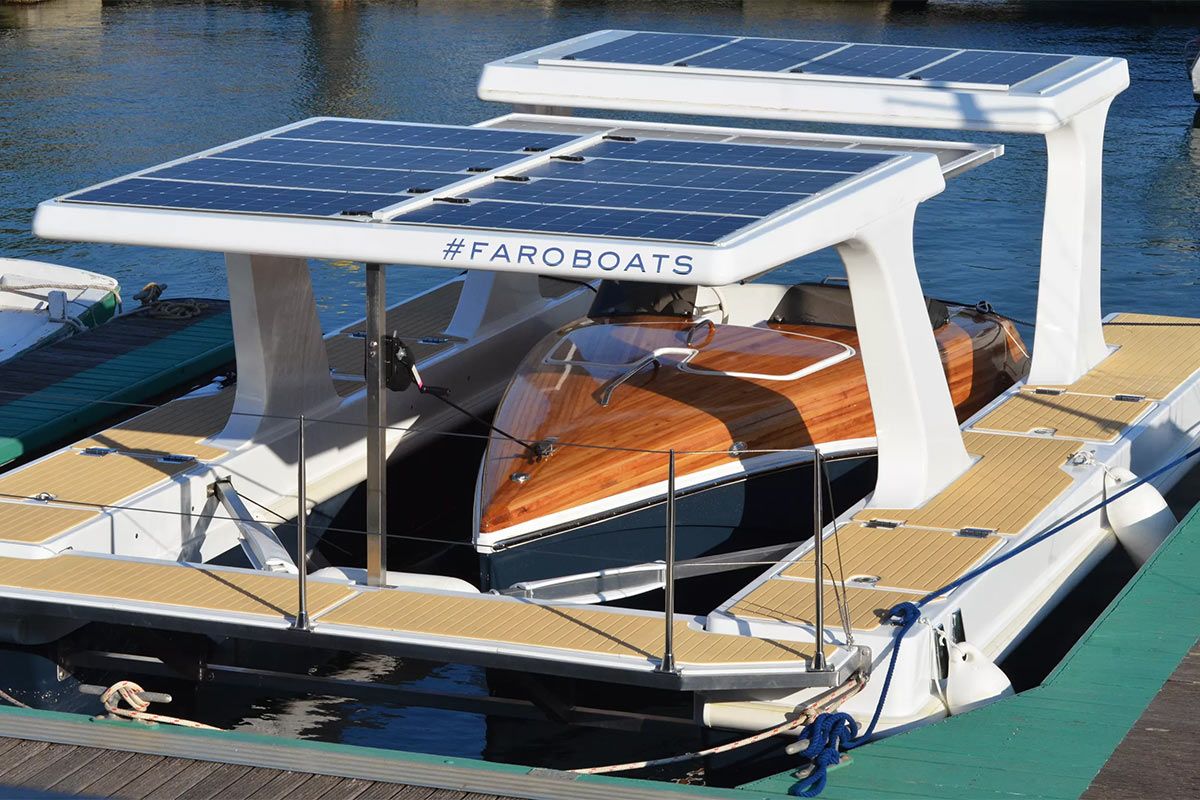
741,381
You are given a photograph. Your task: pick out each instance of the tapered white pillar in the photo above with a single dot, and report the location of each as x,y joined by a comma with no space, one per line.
920,446
1069,338
282,365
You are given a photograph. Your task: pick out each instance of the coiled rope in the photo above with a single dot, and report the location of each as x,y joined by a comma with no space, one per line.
131,693
829,734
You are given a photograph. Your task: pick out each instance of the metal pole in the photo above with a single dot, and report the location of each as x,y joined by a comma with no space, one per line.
301,622
818,663
376,422
668,658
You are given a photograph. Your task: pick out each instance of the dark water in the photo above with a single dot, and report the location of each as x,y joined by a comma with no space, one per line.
89,91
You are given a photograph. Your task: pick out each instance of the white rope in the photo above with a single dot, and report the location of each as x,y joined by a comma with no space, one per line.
131,693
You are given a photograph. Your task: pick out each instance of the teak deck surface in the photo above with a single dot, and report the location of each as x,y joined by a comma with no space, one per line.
1015,478
909,559
1067,416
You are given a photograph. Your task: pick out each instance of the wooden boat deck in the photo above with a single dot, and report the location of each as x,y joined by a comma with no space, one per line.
1015,478
620,640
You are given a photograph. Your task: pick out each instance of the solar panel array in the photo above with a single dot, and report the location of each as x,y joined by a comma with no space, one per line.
989,67
674,190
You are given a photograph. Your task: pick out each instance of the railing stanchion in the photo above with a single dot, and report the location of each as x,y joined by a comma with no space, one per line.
668,657
818,662
301,622
376,422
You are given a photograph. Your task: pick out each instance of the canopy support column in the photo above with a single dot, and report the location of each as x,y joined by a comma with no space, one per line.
283,367
920,446
1069,338
376,427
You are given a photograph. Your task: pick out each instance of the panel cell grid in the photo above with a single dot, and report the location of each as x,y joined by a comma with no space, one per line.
989,67
742,155
876,61
764,55
302,176
347,130
698,176
331,154
649,48
661,225
550,191
219,197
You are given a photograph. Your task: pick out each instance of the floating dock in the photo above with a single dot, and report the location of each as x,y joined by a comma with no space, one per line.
62,389
1099,727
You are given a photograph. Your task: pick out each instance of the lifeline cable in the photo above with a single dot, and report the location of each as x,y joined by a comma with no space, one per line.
830,733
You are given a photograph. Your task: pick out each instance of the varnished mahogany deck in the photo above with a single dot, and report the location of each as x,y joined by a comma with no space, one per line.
558,390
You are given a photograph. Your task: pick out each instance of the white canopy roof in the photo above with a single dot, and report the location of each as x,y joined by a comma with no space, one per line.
668,203
844,82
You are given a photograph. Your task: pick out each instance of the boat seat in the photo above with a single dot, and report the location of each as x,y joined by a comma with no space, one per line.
830,304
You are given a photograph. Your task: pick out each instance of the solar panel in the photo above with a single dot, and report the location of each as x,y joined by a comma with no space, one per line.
605,170
842,59
700,228
654,188
984,66
875,61
351,130
220,197
738,155
606,195
765,55
649,48
300,176
347,154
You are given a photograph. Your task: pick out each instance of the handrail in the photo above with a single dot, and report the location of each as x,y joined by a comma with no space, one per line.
606,391
302,622
668,658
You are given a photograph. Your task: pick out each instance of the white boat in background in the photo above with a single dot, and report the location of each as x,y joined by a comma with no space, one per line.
42,302
1192,55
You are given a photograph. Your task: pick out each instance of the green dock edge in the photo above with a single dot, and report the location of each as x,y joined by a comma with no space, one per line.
162,364
1048,742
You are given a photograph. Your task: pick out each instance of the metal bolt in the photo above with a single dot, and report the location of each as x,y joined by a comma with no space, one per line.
519,477
736,449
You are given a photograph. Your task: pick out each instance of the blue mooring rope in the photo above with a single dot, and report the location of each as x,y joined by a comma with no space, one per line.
832,732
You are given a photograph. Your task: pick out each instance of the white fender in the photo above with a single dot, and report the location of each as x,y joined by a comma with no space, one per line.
973,680
399,580
1141,518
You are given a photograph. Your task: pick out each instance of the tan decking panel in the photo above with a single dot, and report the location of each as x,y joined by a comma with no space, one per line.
916,559
1156,355
1016,478
427,315
1072,416
173,428
33,523
72,477
184,585
561,627
793,601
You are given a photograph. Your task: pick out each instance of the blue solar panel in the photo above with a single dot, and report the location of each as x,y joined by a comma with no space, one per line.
764,55
984,66
746,155
875,61
218,197
293,151
823,58
604,170
348,130
700,228
301,176
670,198
649,48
